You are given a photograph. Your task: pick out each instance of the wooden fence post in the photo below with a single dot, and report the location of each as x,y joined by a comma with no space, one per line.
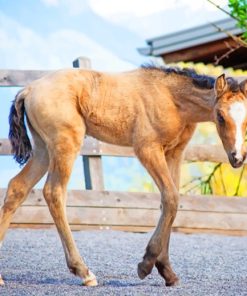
93,170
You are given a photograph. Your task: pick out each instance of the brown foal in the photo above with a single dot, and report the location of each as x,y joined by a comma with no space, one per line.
154,110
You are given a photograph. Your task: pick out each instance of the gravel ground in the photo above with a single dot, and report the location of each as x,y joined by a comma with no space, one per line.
32,263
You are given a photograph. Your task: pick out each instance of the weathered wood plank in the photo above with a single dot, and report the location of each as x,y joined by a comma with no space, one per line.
211,220
213,153
133,217
93,173
100,199
115,209
140,200
89,216
77,227
210,203
5,148
82,62
115,150
92,147
20,77
139,229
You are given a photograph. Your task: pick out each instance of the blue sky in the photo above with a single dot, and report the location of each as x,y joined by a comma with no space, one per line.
41,34
50,34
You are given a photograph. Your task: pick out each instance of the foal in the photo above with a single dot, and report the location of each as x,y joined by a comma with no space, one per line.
155,110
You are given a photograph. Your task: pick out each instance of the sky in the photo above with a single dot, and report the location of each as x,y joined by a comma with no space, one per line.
50,34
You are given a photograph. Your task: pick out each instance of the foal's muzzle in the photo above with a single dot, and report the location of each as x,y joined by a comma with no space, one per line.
235,161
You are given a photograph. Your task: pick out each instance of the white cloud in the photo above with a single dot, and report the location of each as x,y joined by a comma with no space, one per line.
137,8
50,2
157,17
73,7
21,47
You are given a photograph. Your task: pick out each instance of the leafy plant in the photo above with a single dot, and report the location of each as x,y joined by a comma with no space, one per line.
238,10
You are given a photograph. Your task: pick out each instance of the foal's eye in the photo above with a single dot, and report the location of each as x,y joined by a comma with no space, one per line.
220,118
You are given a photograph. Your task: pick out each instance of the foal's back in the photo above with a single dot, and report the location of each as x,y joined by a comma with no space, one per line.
116,108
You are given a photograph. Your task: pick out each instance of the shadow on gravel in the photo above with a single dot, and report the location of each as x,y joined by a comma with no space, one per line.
117,283
25,280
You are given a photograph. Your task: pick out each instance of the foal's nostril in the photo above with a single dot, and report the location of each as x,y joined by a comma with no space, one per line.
233,155
235,159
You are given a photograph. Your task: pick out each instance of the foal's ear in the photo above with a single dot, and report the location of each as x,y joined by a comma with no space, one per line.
220,85
243,87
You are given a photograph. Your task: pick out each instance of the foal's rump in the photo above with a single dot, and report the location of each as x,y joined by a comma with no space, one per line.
50,105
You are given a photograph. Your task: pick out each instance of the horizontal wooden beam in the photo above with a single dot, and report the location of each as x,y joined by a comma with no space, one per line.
20,77
92,147
131,210
139,229
140,200
213,153
133,217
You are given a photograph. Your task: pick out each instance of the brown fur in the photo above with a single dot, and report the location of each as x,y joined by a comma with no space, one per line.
155,111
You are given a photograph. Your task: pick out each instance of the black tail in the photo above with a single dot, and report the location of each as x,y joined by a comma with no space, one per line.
21,145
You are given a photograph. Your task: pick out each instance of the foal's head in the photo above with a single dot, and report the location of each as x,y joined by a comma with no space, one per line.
230,114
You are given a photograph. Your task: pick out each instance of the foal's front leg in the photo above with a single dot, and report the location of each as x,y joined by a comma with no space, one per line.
153,159
174,159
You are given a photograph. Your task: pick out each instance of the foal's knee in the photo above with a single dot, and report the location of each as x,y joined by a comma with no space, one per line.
47,192
52,192
15,193
169,205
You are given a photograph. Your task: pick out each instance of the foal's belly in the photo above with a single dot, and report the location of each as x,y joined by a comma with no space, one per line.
118,132
106,136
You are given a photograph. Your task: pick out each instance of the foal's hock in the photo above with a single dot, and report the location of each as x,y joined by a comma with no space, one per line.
155,110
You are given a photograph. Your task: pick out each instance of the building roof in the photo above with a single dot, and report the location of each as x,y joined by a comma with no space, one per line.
189,38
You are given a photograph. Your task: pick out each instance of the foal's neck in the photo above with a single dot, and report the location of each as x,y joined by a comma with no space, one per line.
196,104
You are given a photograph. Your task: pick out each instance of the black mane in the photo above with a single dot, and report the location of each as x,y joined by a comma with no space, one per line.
202,81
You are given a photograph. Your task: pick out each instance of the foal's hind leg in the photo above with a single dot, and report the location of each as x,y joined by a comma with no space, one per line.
21,184
62,154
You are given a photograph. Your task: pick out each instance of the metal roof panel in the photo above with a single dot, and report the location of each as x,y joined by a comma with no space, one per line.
197,34
157,51
189,38
224,23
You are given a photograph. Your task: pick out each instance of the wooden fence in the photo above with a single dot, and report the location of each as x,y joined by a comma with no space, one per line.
96,208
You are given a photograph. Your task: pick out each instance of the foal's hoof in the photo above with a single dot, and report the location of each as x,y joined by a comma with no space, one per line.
173,282
144,269
168,275
91,283
1,281
90,280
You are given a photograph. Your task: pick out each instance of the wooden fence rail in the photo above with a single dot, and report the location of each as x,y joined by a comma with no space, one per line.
92,147
100,209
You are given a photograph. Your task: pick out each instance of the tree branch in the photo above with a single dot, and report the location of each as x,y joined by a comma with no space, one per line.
226,55
222,9
237,39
